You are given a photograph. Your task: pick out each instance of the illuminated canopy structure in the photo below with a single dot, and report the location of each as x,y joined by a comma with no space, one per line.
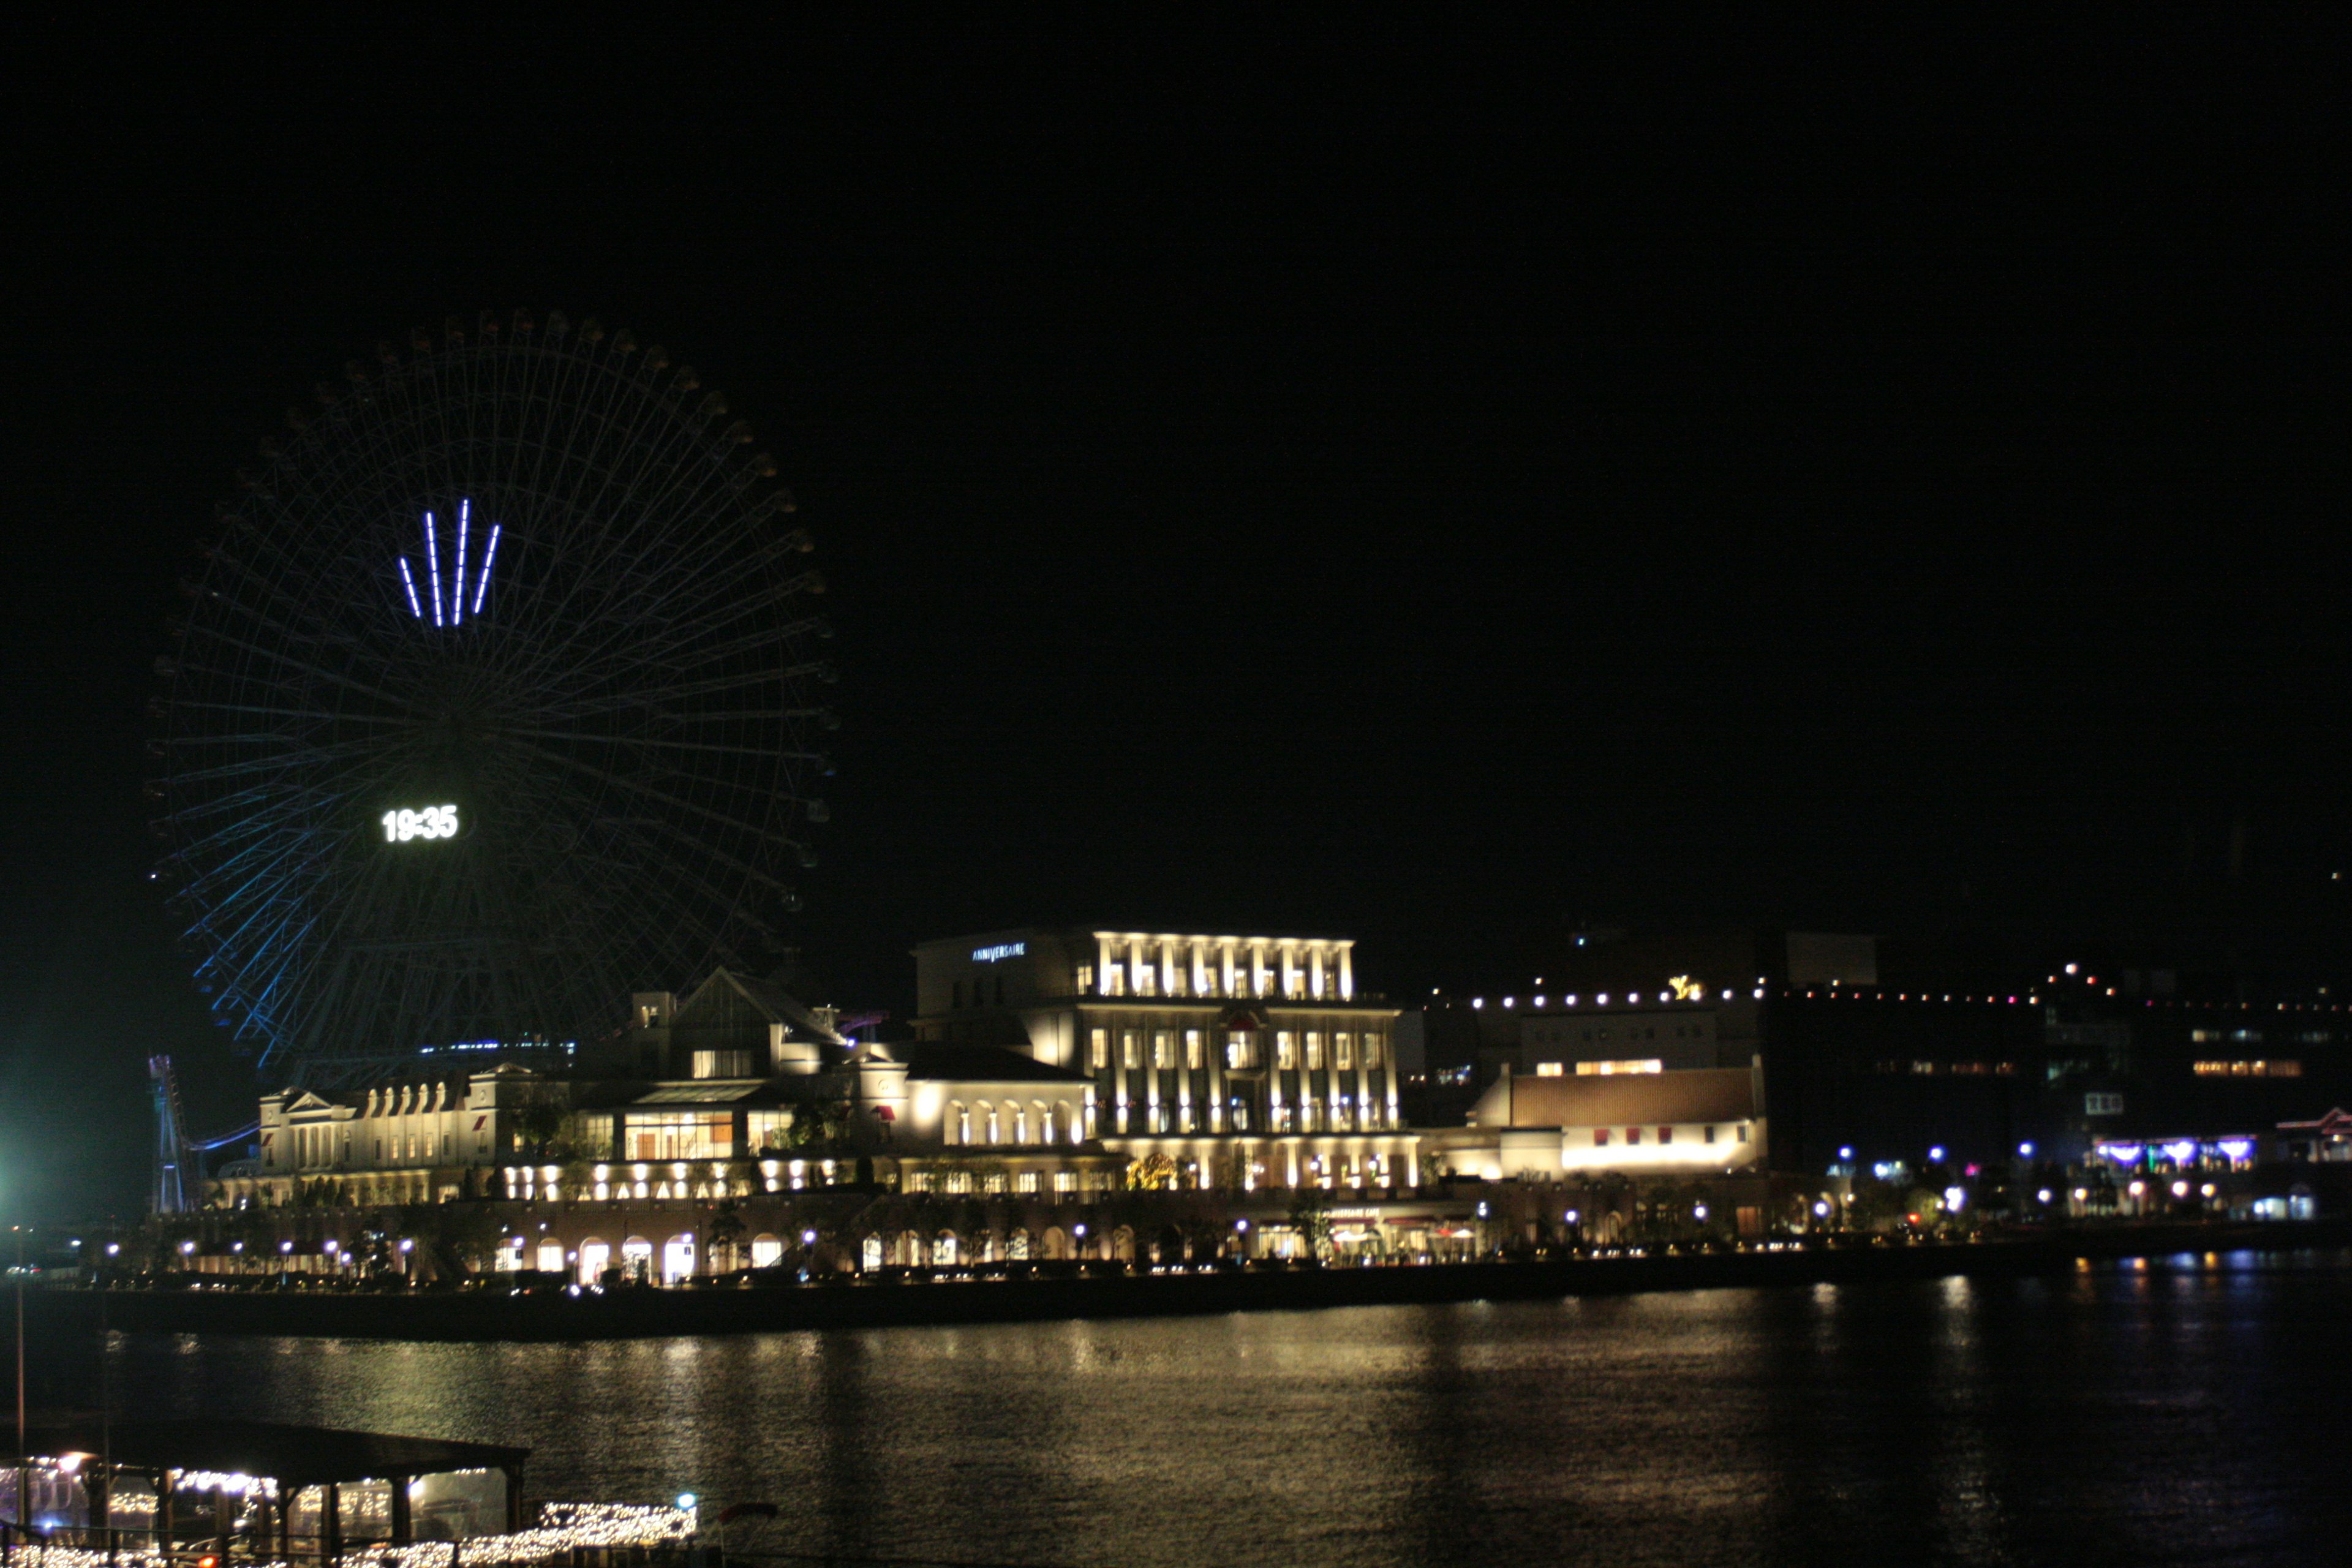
495,699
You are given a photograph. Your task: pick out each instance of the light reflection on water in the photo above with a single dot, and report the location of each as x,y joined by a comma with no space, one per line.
2191,1412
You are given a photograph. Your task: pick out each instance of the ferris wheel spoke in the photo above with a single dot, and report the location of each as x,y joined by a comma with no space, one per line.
289,661
625,742
645,791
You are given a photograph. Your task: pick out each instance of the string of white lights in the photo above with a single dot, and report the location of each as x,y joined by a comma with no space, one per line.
562,1527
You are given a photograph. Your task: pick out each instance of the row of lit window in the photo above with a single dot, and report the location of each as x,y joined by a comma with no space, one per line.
329,1145
1601,1069
1601,1135
1955,1070
1298,987
2248,1070
990,1183
1010,1121
1310,1115
2254,1037
1347,1050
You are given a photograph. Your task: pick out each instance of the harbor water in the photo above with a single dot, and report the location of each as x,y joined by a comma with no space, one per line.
2195,1409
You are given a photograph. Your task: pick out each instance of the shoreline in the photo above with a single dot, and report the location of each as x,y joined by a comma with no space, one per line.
488,1317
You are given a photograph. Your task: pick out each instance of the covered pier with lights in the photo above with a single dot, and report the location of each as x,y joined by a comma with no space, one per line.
264,1490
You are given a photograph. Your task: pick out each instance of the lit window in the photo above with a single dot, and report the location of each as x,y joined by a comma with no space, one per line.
1371,1050
1549,1069
1241,1049
1610,1068
1129,1054
1098,1048
1314,1049
1192,1050
1164,1054
1286,1053
1343,1054
2280,1068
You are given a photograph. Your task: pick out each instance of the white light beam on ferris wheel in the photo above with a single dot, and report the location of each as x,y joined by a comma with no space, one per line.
488,555
458,589
408,581
433,561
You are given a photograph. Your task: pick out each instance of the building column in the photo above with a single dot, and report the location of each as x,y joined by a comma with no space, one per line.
1346,975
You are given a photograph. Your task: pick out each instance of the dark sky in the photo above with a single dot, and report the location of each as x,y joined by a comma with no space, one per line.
1364,479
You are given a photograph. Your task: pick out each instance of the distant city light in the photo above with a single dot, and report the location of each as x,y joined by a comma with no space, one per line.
2025,1150
1936,1154
1956,1198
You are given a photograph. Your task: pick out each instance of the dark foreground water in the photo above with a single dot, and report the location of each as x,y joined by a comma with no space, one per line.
2194,1410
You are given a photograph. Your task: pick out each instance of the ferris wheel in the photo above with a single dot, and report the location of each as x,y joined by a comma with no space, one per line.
498,696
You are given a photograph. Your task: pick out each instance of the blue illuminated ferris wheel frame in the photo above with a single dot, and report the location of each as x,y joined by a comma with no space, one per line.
629,728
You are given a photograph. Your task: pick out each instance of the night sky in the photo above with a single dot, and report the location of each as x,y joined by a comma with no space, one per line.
1444,489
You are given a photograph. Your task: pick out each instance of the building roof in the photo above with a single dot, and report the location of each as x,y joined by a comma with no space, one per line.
779,1006
1601,1099
294,1456
701,1091
979,1064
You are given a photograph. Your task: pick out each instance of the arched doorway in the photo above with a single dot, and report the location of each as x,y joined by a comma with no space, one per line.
944,1249
678,1258
1057,1243
767,1251
595,1256
637,1260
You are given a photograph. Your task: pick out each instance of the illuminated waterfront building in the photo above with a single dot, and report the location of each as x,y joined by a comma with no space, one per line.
1234,1062
736,1091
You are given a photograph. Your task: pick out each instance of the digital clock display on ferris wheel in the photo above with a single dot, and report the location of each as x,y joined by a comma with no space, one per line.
402,826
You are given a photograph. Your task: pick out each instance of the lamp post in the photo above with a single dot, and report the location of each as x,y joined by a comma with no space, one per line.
23,1495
